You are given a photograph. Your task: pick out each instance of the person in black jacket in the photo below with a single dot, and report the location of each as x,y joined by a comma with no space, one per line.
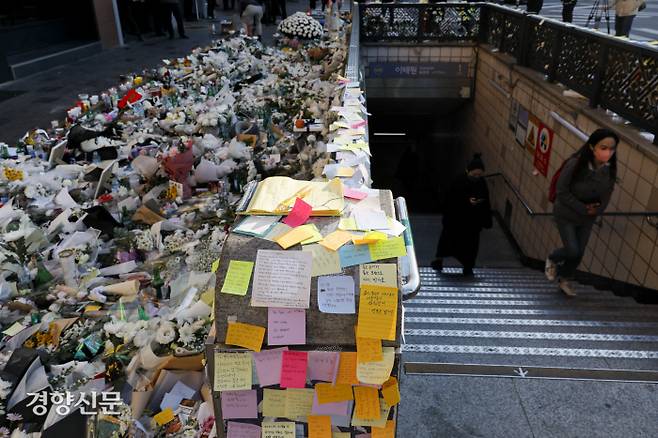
467,210
583,192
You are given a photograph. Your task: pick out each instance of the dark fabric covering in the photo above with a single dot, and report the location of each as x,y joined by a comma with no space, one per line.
462,221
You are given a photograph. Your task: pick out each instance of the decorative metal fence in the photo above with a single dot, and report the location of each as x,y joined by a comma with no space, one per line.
615,74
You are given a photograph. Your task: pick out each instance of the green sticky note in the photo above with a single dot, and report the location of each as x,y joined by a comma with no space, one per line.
317,236
387,249
16,328
237,277
215,266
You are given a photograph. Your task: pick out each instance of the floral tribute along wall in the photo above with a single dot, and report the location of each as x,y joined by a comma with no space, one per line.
113,221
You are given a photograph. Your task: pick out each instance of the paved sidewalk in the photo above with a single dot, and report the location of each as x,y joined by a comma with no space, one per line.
46,96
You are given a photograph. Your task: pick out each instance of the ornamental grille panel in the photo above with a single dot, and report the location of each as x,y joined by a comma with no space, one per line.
621,76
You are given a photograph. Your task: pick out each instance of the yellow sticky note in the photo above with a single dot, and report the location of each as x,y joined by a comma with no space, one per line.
91,308
345,172
370,237
232,371
335,240
294,236
215,266
325,261
208,296
391,391
384,410
387,432
280,429
237,277
378,309
328,393
347,224
319,426
366,403
317,236
376,373
387,249
341,435
299,402
274,402
245,335
380,274
347,369
368,350
164,417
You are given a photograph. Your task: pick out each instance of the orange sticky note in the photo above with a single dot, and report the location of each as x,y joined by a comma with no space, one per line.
347,369
391,391
245,335
335,240
368,350
384,432
328,393
294,236
319,426
378,310
345,172
366,401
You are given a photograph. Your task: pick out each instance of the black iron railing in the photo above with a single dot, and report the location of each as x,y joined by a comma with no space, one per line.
614,74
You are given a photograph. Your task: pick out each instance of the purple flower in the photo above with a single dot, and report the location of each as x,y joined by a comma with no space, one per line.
14,417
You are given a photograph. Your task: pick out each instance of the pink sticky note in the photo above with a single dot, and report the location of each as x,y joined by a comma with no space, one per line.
354,194
299,214
286,326
322,365
338,408
242,430
268,366
293,369
239,404
358,124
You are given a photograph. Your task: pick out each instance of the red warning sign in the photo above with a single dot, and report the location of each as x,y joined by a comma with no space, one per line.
543,148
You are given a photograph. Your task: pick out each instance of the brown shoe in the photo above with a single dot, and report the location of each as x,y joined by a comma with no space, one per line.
566,288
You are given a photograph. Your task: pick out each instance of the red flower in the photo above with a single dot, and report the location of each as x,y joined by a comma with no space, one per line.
105,198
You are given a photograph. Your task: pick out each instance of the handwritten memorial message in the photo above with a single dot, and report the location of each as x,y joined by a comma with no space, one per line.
282,279
336,294
286,326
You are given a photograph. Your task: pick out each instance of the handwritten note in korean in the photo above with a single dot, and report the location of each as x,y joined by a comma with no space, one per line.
280,429
323,365
242,430
387,249
268,366
366,401
239,404
282,279
336,294
274,402
299,402
378,306
286,326
376,373
232,371
347,368
319,426
245,335
380,274
237,277
293,369
325,261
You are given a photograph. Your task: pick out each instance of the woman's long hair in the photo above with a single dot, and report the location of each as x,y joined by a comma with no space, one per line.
585,154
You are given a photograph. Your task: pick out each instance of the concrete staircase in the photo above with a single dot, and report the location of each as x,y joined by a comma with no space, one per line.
516,317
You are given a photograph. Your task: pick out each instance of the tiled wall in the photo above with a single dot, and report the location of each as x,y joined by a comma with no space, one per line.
623,248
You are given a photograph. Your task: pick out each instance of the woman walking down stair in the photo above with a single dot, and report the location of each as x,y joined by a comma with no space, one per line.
583,190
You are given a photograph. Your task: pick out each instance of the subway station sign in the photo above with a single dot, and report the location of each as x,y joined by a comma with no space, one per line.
417,69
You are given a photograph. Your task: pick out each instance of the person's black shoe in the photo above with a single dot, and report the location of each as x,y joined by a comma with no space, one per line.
437,265
468,272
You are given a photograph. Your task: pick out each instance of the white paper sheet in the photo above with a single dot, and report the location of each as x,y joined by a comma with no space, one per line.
336,294
282,279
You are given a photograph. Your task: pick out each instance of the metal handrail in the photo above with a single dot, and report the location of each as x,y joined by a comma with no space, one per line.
411,283
533,213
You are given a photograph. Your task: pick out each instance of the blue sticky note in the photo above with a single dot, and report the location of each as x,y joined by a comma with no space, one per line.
351,255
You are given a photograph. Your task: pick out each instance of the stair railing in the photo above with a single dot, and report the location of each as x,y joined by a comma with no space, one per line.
649,215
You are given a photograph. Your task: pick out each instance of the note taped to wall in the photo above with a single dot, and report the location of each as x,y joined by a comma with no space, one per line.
282,279
319,426
366,401
280,429
380,274
347,368
336,294
325,261
384,410
376,373
378,306
274,402
391,391
299,402
387,249
245,335
232,371
237,277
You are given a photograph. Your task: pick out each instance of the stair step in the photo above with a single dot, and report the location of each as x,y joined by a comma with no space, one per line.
535,295
571,312
556,302
531,351
528,322
489,334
